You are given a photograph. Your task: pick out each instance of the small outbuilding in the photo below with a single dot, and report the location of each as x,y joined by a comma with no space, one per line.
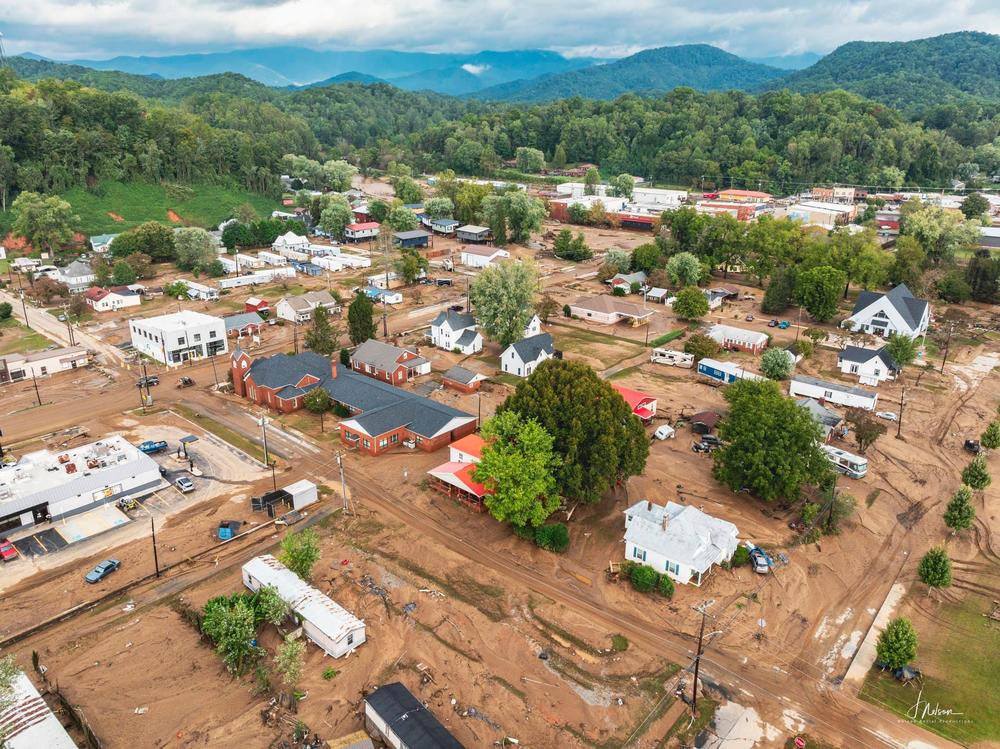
415,238
461,379
404,722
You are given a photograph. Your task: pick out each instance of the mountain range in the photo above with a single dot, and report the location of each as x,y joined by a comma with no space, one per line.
962,67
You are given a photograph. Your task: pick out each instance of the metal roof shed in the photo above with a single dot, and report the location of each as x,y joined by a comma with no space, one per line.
332,627
28,723
403,721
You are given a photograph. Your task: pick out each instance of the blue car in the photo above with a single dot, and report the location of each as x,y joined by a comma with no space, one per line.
151,447
102,570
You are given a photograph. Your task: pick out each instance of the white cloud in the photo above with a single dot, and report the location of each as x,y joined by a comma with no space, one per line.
70,28
475,69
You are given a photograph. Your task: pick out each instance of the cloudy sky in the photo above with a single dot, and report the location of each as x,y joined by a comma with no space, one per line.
608,28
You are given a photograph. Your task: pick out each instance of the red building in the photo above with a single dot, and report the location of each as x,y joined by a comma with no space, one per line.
461,379
255,304
642,405
388,363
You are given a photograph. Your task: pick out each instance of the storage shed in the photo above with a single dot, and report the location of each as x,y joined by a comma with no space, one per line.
415,238
303,493
332,627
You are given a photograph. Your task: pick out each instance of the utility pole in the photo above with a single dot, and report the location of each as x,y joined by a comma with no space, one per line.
1,446
24,308
703,609
69,325
263,429
215,373
947,345
343,482
145,381
295,337
385,319
902,400
156,559
34,381
274,478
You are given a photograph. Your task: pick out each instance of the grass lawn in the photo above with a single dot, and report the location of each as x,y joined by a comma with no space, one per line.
17,339
4,267
960,663
223,432
607,349
685,730
507,379
205,205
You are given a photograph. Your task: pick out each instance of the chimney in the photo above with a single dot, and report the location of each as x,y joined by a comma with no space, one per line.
664,521
649,505
333,367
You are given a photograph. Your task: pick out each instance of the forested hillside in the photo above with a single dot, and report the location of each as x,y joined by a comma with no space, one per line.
951,68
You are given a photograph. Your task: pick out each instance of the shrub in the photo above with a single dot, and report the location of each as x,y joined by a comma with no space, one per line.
740,557
567,312
665,586
618,291
643,578
345,357
701,346
619,643
809,512
329,673
553,537
626,567
525,532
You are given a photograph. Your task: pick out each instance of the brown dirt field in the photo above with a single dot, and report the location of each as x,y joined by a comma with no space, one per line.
116,217
174,217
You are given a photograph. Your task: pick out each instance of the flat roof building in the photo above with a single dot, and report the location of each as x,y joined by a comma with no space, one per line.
179,336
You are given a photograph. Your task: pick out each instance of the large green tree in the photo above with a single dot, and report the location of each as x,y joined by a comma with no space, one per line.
897,643
596,438
360,319
503,296
411,264
402,218
934,569
194,249
770,444
960,514
322,337
513,214
334,218
690,303
684,269
300,552
529,160
151,238
46,221
517,468
818,290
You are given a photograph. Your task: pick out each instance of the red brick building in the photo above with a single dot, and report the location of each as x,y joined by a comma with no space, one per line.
388,363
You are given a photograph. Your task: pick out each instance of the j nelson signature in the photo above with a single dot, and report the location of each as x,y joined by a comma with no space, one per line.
922,710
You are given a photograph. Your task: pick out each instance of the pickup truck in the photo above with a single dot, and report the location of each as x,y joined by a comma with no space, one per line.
151,447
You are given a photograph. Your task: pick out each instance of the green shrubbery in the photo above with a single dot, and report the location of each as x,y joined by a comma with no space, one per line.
645,579
740,557
553,537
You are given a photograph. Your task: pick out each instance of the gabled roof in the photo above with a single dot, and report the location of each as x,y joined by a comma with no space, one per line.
406,717
530,349
96,293
629,278
459,475
455,320
381,355
827,418
420,415
634,398
607,304
473,229
364,226
241,320
691,537
467,338
77,269
286,370
483,251
463,376
816,382
901,298
471,444
860,355
310,300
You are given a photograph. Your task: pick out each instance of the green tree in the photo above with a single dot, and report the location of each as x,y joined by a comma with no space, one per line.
818,290
597,440
953,288
623,185
378,210
690,303
529,160
990,438
770,444
122,274
194,248
402,218
860,257
231,623
701,347
776,364
334,218
892,177
643,578
152,238
410,264
9,672
176,290
935,568
141,264
245,213
960,514
647,258
897,644
439,208
6,310
902,349
591,180
976,475
513,215
545,308
684,269
322,336
503,296
568,247
907,263
407,190
360,322
940,232
780,292
337,175
975,205
982,274
517,469
289,660
559,157
46,221
865,426
269,606
300,552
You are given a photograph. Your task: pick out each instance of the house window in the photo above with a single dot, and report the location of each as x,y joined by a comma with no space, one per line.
197,337
211,334
827,395
368,443
383,442
639,554
394,439
180,341
673,568
854,369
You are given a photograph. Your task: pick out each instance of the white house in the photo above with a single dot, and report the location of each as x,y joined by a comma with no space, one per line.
174,338
108,300
78,276
200,291
872,366
14,367
27,721
290,241
679,540
624,281
360,231
609,310
832,392
521,358
101,243
534,327
332,627
896,312
738,339
456,330
300,308
480,257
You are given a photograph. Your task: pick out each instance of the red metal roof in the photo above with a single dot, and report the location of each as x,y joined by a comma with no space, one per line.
460,475
471,444
637,401
363,227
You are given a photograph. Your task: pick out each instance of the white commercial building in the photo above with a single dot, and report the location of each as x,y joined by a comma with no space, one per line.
174,338
14,367
44,484
832,392
679,540
332,627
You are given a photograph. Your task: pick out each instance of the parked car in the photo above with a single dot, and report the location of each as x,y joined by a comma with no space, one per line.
749,318
784,325
703,447
457,308
710,195
711,439
185,382
887,415
443,282
102,570
150,447
148,381
184,484
772,324
8,551
973,446
664,432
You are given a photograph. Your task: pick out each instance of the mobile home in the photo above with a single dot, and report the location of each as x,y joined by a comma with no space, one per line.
823,391
725,372
672,358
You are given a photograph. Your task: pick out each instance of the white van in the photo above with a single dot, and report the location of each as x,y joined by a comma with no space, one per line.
672,358
664,432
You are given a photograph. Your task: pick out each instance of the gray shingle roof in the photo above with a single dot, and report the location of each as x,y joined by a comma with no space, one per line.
381,355
908,306
529,349
240,321
310,299
406,717
284,370
77,269
467,337
461,374
414,234
456,320
860,355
